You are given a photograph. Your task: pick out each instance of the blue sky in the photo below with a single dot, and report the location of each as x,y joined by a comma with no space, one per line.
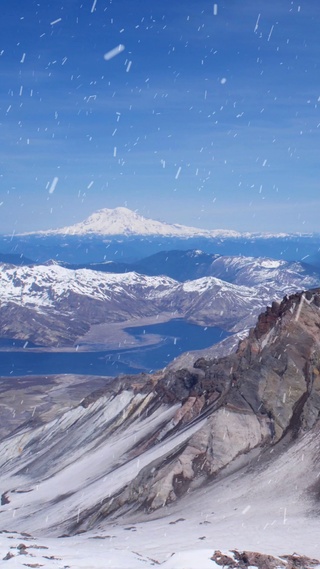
208,117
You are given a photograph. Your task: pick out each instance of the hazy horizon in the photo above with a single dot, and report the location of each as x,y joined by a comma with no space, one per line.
161,220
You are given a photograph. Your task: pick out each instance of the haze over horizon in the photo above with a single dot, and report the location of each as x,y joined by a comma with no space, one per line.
206,114
123,221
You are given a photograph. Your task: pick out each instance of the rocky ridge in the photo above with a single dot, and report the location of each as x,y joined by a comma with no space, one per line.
269,390
195,264
142,443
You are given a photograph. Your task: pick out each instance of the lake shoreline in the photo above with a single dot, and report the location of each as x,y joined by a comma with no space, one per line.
150,347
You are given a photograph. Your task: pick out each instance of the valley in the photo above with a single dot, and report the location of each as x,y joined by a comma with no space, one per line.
153,411
85,321
146,347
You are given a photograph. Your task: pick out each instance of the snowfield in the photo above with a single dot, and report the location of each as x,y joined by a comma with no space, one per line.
252,507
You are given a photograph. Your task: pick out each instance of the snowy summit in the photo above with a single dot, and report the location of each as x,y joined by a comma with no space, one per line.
123,221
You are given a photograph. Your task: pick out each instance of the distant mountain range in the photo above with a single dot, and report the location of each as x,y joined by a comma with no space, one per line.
123,221
51,305
195,264
123,236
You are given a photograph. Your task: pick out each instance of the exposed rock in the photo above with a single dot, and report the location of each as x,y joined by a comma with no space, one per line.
296,561
254,559
44,329
245,559
8,556
22,548
268,389
4,499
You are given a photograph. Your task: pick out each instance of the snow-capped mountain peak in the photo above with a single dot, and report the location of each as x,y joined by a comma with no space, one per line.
118,221
123,221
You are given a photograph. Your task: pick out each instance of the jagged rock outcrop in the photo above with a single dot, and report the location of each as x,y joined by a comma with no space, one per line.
267,391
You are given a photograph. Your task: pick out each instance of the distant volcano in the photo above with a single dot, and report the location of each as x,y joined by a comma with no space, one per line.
123,221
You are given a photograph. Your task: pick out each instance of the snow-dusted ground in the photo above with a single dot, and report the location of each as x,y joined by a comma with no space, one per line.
176,542
82,553
264,505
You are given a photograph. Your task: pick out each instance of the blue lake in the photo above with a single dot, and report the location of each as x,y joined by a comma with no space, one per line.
177,336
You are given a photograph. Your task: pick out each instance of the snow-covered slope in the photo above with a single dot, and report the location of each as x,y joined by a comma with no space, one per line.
170,468
51,305
195,264
44,285
115,552
123,221
252,271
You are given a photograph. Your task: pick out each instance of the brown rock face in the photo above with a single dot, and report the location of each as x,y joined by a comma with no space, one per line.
244,559
268,390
